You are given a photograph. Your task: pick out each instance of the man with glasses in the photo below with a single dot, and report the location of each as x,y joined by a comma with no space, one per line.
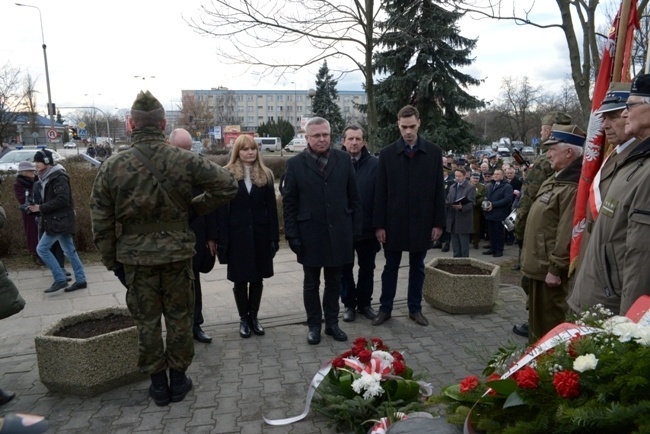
322,217
615,271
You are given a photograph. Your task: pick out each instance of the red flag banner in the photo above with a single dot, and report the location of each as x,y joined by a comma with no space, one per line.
594,145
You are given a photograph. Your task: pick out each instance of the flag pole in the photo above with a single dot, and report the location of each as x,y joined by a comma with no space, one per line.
620,39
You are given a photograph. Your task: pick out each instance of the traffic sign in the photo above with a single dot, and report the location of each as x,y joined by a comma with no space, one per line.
82,132
52,134
82,125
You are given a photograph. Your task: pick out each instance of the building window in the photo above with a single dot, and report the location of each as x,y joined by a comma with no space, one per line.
299,108
270,118
269,97
278,97
240,97
299,98
346,109
250,108
270,108
249,119
249,97
240,108
260,107
279,108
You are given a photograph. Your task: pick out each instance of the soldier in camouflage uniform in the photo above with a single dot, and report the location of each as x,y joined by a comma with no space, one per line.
140,227
536,174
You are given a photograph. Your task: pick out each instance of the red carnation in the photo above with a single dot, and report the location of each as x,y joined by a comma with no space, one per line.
338,362
357,349
567,384
469,383
571,348
346,354
365,356
397,356
398,367
360,342
527,378
378,343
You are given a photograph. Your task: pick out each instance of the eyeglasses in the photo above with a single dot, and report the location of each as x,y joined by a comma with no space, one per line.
629,105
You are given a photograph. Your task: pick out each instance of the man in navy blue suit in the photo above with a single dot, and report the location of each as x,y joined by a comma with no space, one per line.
499,196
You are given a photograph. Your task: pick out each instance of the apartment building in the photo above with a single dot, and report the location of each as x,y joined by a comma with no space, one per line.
250,108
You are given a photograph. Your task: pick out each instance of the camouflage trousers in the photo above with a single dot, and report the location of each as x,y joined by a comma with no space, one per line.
162,290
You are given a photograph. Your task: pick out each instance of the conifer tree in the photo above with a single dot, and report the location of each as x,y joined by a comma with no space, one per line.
324,102
422,51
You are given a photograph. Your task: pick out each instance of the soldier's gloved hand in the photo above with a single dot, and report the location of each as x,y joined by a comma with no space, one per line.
274,248
222,256
295,245
120,274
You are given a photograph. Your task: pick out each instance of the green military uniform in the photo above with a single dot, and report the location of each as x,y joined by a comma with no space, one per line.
139,225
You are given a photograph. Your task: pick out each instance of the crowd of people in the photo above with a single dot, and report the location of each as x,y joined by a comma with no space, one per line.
179,212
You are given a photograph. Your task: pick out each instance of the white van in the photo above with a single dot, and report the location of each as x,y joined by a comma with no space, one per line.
269,143
296,145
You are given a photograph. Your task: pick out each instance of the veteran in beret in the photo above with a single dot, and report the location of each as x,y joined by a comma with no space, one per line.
147,192
547,238
615,269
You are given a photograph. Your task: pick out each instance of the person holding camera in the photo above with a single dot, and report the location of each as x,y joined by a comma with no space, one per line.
23,189
57,221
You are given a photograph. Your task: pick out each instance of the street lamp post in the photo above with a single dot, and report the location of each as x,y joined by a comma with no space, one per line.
50,106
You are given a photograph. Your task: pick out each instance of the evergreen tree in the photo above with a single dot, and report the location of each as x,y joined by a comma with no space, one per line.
324,102
423,48
282,129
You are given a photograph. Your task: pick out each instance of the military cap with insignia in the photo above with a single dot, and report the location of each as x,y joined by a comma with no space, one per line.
615,98
641,85
553,118
146,102
569,134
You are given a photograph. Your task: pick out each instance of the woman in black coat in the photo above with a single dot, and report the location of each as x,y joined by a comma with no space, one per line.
248,232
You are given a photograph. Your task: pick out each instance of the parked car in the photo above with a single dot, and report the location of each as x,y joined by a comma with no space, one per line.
503,151
70,145
296,145
9,161
528,151
269,143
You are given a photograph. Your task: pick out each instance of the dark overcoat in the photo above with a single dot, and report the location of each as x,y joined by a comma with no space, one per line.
247,226
501,198
409,195
204,228
57,209
322,210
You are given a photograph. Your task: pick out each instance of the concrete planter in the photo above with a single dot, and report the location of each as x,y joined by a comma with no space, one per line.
461,293
87,367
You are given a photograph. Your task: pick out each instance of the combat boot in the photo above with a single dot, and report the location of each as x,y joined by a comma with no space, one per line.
180,385
159,389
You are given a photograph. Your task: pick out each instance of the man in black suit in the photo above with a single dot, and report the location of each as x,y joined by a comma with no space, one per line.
499,196
409,211
322,217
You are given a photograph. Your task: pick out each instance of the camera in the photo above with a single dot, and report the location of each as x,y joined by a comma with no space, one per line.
29,200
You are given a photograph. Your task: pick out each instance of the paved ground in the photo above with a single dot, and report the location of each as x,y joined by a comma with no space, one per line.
237,381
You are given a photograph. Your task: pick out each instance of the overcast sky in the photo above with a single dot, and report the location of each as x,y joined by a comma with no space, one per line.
95,49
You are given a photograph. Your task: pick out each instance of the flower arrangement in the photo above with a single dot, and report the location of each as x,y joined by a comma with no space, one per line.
592,376
364,384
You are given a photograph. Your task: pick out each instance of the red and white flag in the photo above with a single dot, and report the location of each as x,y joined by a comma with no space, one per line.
594,145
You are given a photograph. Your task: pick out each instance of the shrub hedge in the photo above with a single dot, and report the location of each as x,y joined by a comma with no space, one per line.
82,175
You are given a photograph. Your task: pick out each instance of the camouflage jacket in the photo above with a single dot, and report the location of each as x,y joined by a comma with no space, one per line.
535,176
135,221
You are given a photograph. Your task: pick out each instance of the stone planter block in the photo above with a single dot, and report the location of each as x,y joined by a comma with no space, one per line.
87,367
459,293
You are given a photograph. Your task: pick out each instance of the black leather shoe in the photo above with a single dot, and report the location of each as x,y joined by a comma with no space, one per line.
497,254
521,329
313,337
6,397
201,336
75,286
516,267
368,312
335,332
487,246
436,245
56,286
445,247
244,328
418,318
349,314
381,318
488,252
67,273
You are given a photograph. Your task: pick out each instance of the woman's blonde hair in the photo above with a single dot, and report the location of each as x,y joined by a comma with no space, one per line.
260,174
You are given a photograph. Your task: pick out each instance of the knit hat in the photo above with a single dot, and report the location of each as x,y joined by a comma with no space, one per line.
26,165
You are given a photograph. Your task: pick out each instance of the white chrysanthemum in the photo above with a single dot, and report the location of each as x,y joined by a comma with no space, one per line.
625,331
369,384
585,363
642,335
384,356
612,322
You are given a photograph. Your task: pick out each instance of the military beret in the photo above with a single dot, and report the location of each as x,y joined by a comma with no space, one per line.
146,102
615,98
476,175
553,118
569,134
44,156
641,85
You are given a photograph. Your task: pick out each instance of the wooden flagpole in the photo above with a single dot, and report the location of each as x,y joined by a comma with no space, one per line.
620,40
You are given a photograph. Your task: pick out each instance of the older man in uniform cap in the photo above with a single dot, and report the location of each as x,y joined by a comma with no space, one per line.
615,268
538,172
547,238
148,192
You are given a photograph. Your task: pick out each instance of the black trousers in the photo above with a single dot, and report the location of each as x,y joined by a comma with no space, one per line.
497,235
311,295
